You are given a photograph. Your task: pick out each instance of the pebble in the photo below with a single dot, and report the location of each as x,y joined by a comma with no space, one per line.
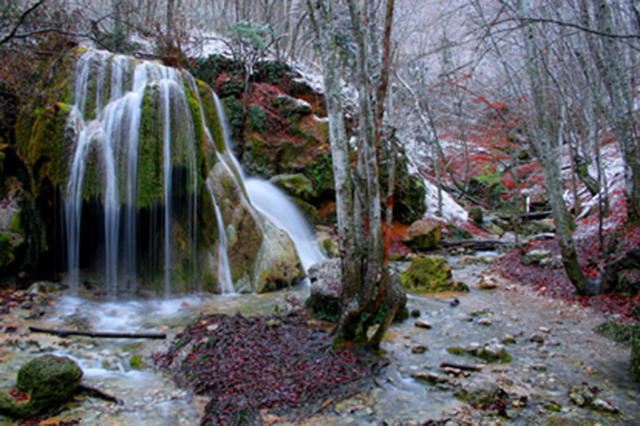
423,324
602,405
420,349
485,321
537,338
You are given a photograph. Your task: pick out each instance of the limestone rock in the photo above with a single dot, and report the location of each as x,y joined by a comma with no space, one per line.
326,284
423,235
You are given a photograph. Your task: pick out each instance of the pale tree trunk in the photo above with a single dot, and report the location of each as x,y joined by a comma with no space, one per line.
623,120
322,17
362,272
549,158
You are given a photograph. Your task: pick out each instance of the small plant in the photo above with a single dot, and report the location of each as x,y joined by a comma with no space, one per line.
257,119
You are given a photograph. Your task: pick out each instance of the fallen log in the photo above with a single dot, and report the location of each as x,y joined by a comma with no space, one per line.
527,216
104,334
463,367
480,245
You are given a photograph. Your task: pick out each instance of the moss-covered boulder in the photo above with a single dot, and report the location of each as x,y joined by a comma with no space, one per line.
423,235
296,185
430,275
44,383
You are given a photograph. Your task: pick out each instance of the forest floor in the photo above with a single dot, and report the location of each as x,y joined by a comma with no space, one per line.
551,343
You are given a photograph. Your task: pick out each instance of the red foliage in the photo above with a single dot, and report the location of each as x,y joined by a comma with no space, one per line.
264,362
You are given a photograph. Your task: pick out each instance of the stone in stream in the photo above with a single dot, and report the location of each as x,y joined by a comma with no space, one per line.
423,324
419,349
46,382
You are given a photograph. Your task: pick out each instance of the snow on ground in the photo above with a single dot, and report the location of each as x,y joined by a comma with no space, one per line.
452,212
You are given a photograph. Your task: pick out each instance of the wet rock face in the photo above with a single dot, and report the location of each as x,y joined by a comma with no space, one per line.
47,381
430,274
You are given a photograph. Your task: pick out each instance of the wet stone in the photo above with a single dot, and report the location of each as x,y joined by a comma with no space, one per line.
485,322
420,349
423,324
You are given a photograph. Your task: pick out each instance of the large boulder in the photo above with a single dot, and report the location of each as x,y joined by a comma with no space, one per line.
430,275
47,381
423,235
326,285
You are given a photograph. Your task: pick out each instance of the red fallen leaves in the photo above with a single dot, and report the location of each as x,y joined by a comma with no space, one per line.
248,364
554,282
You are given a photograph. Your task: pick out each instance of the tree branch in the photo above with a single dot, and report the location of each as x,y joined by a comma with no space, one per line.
20,22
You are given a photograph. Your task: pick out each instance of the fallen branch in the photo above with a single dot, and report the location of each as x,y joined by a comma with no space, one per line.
104,334
479,245
97,393
527,216
461,366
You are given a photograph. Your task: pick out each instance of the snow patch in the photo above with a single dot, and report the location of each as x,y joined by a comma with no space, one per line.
451,211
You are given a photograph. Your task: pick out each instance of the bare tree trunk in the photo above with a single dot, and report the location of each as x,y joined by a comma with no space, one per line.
322,18
624,121
549,156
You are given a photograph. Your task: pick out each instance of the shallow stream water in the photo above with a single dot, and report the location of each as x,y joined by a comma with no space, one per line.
566,352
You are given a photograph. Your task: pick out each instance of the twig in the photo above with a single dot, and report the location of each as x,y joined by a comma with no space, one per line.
97,393
461,366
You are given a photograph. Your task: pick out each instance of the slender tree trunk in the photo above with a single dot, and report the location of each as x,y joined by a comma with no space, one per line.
624,121
322,18
549,158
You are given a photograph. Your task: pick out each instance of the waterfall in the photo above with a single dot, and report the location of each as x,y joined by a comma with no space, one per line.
275,204
134,148
224,269
106,117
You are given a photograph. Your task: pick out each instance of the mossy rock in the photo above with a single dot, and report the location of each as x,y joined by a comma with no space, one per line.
296,185
617,331
423,235
430,274
48,381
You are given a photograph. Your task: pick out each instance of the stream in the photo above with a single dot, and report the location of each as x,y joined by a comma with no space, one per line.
555,348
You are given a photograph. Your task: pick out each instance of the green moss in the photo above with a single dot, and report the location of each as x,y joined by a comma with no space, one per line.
456,350
6,250
257,120
49,147
136,362
150,150
211,116
430,274
476,215
49,381
620,332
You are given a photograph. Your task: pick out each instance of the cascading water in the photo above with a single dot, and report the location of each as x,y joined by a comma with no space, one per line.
139,156
275,204
111,128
